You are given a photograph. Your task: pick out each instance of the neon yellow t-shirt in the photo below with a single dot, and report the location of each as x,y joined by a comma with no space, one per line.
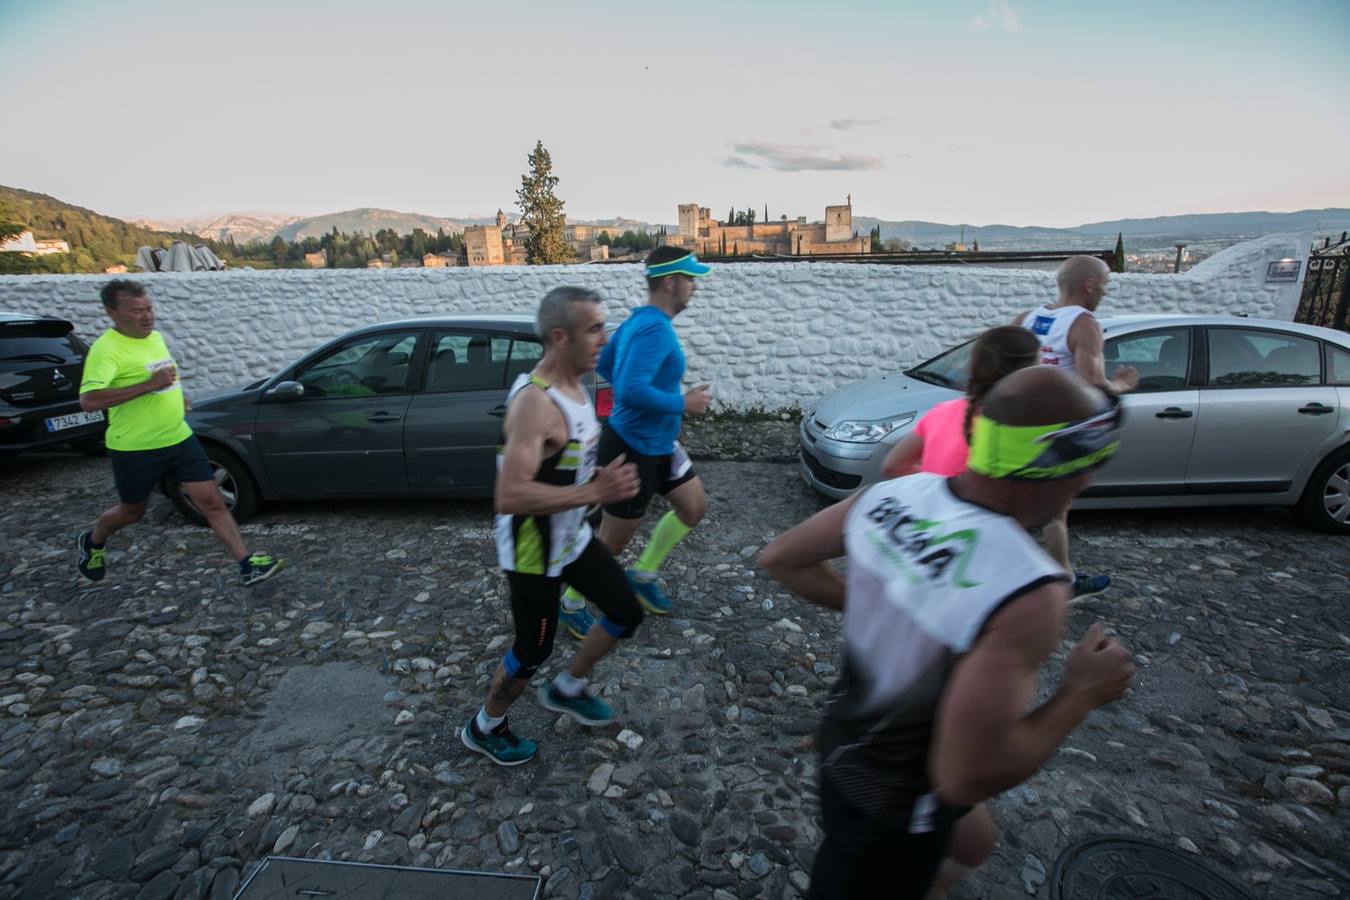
151,420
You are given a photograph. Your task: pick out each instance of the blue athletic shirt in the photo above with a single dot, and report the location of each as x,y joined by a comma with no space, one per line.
644,363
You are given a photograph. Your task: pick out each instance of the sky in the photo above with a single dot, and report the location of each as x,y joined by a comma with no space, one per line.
1021,112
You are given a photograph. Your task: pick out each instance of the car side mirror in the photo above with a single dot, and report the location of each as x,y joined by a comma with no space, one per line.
284,392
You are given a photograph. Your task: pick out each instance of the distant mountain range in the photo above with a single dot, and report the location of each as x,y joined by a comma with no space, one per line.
1161,230
242,226
254,226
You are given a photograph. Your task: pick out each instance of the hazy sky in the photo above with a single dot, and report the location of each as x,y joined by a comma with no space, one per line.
981,111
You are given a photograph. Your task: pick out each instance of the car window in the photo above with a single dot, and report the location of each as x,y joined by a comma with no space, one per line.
1161,357
525,354
464,361
373,365
1340,365
950,369
23,345
1254,358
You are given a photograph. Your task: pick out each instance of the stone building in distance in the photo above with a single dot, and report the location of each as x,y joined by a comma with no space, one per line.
699,232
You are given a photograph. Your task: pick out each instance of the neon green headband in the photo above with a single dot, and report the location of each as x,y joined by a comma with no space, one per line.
1044,452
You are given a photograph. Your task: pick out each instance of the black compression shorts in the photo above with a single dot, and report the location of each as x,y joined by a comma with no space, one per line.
656,474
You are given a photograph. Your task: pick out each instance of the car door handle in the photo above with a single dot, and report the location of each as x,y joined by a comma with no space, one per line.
497,410
382,417
1174,412
1316,409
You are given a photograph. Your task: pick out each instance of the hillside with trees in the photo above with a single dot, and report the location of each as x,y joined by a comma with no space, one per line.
96,241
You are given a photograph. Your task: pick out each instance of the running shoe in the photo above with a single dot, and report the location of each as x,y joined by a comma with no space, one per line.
499,744
1085,586
261,567
577,622
650,595
584,708
91,563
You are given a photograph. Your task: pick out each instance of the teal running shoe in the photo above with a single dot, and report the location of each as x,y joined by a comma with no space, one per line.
1085,586
650,595
499,744
585,709
576,622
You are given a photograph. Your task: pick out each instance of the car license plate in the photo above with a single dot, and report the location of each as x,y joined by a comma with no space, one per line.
72,420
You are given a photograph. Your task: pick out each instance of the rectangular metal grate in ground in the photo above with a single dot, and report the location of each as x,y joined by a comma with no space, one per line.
287,878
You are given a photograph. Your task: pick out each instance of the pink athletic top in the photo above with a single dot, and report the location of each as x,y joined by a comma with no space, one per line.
944,440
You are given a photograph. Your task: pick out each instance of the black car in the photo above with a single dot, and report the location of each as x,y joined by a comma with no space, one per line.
41,362
411,409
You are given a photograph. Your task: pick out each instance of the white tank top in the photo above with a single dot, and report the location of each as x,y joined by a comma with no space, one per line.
925,572
1051,325
544,545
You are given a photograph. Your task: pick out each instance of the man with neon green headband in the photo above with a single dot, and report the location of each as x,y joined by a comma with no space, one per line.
950,610
644,363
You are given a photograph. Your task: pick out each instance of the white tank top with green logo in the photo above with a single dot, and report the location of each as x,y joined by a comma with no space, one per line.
544,545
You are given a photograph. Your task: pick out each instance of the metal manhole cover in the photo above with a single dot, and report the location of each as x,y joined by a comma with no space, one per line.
1125,868
287,878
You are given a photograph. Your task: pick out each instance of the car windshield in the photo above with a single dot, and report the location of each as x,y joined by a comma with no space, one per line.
37,343
949,369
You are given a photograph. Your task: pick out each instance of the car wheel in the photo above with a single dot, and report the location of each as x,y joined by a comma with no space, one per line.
1325,504
236,487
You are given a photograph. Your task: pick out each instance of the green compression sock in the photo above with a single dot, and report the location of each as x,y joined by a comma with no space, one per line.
667,533
572,599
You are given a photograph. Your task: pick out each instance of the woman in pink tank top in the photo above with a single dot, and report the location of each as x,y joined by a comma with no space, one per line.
940,442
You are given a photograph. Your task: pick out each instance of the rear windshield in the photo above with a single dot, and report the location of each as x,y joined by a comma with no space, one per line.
39,343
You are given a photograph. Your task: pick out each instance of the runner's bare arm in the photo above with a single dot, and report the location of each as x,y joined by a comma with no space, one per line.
799,558
985,742
530,419
109,397
1086,342
904,457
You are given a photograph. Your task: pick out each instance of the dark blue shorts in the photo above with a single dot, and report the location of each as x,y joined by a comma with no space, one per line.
137,472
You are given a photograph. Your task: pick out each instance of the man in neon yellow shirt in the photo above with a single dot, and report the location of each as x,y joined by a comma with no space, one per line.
130,373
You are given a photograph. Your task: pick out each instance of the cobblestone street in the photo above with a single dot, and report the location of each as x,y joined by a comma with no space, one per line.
163,731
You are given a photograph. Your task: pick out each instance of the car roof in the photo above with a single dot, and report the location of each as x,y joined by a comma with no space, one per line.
515,323
10,318
1160,320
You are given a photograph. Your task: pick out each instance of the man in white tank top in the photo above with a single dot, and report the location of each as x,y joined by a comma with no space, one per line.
546,477
1071,339
950,610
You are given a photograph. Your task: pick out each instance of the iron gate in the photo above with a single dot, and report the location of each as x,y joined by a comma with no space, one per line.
1325,300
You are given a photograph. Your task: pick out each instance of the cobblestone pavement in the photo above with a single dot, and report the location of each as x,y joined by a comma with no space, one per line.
165,730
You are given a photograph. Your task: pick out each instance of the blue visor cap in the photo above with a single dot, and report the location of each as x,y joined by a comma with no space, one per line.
685,265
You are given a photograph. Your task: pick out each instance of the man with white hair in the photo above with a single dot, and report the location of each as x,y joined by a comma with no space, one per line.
1072,339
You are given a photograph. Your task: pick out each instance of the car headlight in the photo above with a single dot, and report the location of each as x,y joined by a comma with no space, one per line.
867,431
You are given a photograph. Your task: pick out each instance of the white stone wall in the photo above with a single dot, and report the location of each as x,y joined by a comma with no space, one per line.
769,335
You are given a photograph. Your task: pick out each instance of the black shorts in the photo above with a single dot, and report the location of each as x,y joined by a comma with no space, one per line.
656,474
137,472
864,856
534,604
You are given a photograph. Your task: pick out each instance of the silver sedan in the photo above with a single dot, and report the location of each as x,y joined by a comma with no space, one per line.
1229,411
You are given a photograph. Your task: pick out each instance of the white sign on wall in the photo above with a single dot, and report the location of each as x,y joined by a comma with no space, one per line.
1283,270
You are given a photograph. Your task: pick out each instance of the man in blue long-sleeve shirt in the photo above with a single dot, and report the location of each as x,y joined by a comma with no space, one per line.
644,364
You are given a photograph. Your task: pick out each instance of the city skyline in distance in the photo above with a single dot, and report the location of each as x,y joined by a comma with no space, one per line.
988,111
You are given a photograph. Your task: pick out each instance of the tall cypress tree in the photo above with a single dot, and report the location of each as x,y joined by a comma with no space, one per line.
1118,265
542,212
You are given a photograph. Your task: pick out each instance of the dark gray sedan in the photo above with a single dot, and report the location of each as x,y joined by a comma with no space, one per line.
411,408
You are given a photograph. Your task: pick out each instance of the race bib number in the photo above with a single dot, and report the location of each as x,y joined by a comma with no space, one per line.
155,366
680,463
